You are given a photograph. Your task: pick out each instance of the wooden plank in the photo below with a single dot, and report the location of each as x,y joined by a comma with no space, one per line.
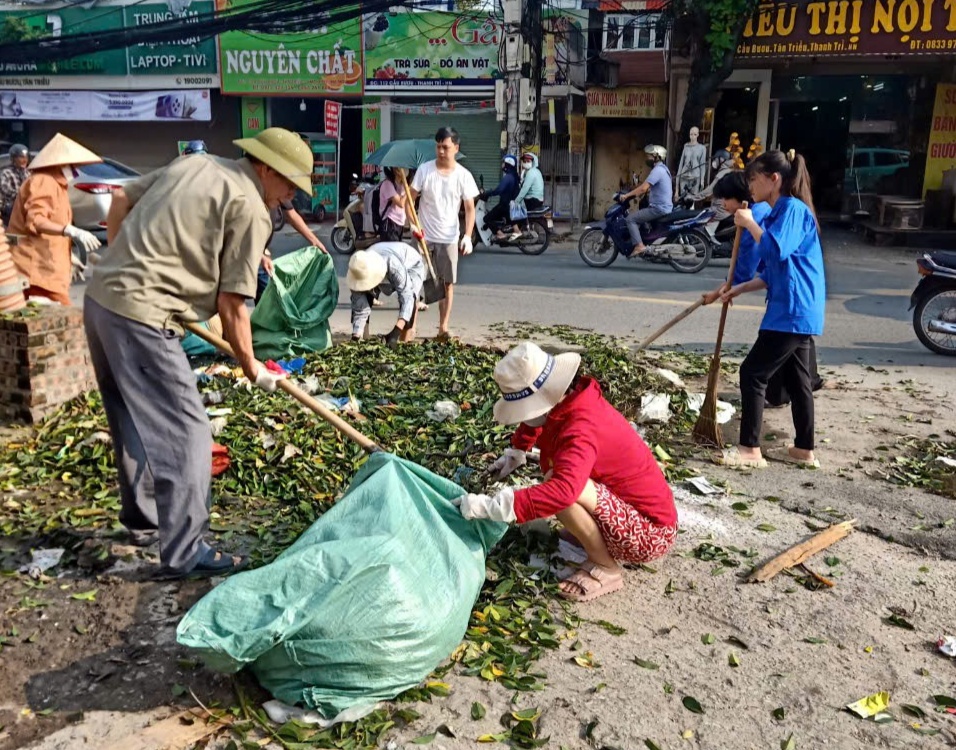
802,552
172,733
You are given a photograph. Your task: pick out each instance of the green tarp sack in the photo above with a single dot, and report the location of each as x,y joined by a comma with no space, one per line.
292,317
197,347
365,604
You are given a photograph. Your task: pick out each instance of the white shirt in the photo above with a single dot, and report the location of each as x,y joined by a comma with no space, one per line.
441,197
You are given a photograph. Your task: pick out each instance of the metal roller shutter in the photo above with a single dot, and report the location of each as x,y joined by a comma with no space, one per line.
480,139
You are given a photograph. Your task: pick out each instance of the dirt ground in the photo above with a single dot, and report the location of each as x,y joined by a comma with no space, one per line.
109,667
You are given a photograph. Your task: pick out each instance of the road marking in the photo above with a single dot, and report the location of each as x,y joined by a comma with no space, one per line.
665,301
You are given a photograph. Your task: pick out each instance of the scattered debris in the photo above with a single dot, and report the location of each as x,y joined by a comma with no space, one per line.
42,560
442,411
803,551
871,705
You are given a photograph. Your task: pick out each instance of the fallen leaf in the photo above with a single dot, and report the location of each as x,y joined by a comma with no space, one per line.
692,705
179,690
916,711
779,713
766,527
944,701
80,629
477,711
425,739
707,639
733,660
599,687
651,745
85,596
788,744
646,664
870,705
815,641
900,622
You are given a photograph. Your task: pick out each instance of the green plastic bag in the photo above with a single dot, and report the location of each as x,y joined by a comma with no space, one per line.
197,347
364,605
292,318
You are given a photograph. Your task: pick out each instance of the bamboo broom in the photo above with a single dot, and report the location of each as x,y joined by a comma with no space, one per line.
706,429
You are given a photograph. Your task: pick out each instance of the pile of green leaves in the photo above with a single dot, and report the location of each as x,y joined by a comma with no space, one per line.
917,464
288,467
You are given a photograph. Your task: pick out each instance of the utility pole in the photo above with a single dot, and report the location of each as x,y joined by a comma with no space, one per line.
508,88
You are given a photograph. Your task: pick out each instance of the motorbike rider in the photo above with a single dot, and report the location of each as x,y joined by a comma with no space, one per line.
507,191
660,187
531,195
195,147
12,178
722,164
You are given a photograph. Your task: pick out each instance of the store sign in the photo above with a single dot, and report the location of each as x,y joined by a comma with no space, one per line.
188,63
371,136
129,106
851,27
577,128
252,116
325,60
332,112
941,153
628,101
418,51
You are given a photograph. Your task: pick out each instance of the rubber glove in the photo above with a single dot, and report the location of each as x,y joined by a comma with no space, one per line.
268,381
86,240
500,507
465,245
507,464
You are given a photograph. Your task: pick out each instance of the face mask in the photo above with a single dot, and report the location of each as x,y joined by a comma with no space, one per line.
67,172
537,421
650,162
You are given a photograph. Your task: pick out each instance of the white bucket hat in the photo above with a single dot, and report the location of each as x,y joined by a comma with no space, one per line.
367,269
532,382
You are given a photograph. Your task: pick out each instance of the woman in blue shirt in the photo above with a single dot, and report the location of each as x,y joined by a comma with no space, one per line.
788,246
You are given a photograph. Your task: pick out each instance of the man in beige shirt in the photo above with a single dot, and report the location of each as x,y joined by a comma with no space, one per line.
185,242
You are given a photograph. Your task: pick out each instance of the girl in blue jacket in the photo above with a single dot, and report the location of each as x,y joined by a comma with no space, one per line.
788,245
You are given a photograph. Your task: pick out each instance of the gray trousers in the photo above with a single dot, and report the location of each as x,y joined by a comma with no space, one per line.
160,431
636,218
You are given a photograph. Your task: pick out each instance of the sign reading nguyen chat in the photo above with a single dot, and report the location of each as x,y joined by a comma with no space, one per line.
324,60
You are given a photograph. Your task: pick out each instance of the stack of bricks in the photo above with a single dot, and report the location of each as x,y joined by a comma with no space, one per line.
44,361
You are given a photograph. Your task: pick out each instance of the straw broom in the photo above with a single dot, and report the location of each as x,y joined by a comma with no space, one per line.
706,429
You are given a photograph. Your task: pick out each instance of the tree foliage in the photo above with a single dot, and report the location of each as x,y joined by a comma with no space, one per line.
710,31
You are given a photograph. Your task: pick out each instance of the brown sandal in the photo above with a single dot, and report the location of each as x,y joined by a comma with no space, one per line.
592,581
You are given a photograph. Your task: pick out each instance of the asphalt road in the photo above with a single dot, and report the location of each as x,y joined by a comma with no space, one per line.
867,317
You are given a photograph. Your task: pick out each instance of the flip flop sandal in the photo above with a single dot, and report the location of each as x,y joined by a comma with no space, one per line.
591,582
783,455
734,460
207,567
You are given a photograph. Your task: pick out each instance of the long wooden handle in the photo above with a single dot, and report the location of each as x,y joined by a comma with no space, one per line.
368,445
730,279
667,326
414,216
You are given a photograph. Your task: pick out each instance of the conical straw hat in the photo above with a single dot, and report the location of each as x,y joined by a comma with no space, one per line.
61,151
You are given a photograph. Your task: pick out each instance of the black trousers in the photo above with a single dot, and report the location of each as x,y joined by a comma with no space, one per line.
788,354
498,213
777,394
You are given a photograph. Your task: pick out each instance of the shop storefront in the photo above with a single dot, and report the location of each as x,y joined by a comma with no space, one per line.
436,69
133,105
620,123
285,80
852,86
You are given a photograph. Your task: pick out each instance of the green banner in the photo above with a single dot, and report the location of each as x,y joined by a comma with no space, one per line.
371,133
252,114
428,50
327,60
186,57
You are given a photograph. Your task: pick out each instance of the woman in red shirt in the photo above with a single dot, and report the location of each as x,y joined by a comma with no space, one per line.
601,480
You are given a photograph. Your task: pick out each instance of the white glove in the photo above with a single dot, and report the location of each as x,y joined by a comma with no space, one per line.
268,381
87,240
465,245
78,270
511,461
500,508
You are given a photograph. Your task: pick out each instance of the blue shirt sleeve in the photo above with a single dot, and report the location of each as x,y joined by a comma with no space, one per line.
748,259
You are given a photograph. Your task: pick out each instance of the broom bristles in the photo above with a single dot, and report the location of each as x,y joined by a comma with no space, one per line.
707,429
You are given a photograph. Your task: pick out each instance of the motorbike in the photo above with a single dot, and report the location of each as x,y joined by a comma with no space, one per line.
345,236
677,238
534,241
933,303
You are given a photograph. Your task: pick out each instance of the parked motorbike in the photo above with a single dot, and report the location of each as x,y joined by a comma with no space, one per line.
678,238
349,231
533,241
934,303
